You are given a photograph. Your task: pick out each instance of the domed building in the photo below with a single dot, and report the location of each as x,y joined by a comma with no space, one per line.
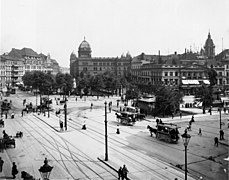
84,50
209,47
96,65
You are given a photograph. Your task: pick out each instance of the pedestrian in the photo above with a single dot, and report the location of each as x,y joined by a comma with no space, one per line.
76,98
180,114
192,119
84,126
124,172
120,175
1,164
172,115
224,109
200,132
221,134
12,115
210,110
61,124
14,170
117,132
216,141
6,115
91,105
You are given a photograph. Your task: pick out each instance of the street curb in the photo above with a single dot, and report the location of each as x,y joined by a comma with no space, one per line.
107,164
46,123
110,166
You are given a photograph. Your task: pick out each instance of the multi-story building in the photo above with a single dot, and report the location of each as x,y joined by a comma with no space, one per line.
32,60
15,63
12,70
95,65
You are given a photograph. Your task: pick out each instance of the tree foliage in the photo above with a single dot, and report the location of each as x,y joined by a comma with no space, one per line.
167,100
38,80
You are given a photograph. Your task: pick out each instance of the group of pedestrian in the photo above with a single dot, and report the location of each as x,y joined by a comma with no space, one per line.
122,172
14,170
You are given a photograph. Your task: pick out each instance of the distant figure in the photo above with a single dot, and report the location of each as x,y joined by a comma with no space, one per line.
172,115
210,110
124,172
84,126
61,124
192,119
120,175
12,115
216,141
200,132
91,105
1,164
14,170
221,134
117,132
180,114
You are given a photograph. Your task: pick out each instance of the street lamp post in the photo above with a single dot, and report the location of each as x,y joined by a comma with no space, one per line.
186,137
65,109
106,151
220,124
48,104
45,171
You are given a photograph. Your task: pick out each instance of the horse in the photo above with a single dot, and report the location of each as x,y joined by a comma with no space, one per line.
118,116
152,130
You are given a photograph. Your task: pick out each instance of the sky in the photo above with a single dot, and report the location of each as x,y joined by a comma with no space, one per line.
112,27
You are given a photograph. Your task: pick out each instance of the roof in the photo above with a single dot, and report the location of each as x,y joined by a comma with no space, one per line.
23,52
85,46
153,99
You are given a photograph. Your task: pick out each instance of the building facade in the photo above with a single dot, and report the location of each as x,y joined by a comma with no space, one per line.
14,64
85,63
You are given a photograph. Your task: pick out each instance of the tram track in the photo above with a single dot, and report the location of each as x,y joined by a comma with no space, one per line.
72,156
117,143
201,157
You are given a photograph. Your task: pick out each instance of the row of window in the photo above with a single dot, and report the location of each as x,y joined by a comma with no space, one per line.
103,68
102,64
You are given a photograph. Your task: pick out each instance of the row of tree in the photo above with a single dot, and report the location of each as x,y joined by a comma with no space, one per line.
46,82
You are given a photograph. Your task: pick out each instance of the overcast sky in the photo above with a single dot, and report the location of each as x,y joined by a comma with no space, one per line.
113,27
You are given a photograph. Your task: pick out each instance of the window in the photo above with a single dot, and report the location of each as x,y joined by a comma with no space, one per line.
166,73
171,74
176,73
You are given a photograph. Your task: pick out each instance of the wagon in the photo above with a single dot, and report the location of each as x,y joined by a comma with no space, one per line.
7,142
167,132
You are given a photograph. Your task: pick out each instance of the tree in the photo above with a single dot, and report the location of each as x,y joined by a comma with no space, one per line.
64,82
167,100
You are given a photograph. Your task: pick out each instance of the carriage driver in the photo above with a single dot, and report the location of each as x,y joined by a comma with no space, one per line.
5,135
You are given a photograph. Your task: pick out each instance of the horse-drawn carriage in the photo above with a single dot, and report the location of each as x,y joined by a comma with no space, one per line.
165,131
126,118
7,142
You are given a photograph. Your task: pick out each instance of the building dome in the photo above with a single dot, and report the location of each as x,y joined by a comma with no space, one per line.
84,46
84,50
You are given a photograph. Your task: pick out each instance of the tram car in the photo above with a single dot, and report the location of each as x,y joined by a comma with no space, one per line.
166,131
126,118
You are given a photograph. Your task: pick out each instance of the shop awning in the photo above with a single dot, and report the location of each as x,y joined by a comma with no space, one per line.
190,82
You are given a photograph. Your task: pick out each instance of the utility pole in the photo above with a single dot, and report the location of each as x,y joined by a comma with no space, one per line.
106,151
